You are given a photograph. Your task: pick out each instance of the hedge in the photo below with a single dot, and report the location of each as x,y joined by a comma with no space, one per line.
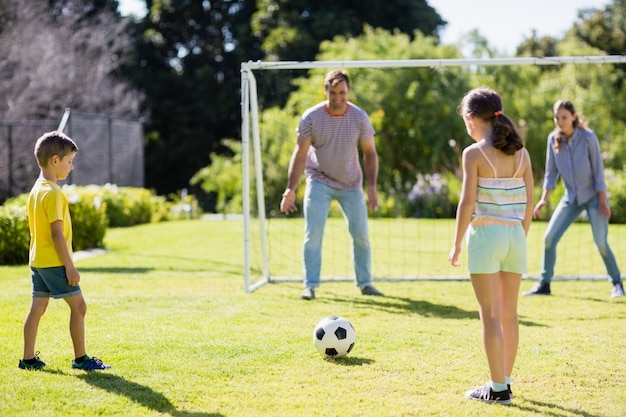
93,209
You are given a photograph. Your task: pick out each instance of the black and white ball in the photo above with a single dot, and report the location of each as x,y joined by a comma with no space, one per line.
334,337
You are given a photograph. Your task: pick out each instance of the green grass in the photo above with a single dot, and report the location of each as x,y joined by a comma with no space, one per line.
166,308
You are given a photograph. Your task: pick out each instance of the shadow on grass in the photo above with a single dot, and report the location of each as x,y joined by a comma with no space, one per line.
116,270
177,264
138,393
350,361
423,308
551,409
407,305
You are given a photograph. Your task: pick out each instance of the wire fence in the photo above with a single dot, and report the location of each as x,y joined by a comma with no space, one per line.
110,151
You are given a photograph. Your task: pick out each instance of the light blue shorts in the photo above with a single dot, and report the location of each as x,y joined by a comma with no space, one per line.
496,247
52,282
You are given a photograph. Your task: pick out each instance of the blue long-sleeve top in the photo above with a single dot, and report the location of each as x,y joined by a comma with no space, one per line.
578,163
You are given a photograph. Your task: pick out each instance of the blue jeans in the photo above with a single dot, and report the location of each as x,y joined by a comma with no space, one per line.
562,218
317,199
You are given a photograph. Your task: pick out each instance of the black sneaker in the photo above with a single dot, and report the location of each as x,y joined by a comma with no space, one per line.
508,386
32,366
308,294
488,395
618,290
370,290
540,288
90,364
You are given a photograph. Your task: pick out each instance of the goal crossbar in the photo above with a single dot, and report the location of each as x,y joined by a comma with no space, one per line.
451,62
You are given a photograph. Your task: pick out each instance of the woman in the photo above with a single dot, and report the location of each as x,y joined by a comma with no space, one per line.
574,154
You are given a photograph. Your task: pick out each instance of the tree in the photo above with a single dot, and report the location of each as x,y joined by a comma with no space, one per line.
538,47
292,30
604,29
187,62
63,53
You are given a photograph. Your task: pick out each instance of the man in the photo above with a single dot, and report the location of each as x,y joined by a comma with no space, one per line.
329,136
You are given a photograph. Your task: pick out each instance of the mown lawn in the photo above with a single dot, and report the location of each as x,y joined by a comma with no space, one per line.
167,309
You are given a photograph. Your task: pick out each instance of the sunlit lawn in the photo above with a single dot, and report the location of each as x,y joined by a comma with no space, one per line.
166,308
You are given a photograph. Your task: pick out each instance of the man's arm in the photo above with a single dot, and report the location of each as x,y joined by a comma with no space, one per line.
296,168
370,162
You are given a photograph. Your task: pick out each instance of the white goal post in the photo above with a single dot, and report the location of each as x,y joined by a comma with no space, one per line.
252,161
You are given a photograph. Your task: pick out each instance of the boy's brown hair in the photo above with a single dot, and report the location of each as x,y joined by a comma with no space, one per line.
53,143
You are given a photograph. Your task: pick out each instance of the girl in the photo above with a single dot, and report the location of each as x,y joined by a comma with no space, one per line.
496,210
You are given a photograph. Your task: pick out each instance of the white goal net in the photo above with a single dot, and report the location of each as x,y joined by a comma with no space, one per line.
419,138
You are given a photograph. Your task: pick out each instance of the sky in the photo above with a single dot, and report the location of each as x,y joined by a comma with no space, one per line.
136,7
505,23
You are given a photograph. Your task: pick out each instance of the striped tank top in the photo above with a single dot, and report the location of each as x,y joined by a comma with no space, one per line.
500,200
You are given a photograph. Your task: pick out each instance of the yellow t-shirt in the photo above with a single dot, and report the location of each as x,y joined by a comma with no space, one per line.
46,204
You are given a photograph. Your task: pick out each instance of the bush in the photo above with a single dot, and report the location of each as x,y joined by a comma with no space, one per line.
89,222
127,206
130,206
433,196
14,234
89,216
616,183
92,209
178,207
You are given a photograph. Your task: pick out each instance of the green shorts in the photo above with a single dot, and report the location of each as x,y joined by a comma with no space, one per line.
496,247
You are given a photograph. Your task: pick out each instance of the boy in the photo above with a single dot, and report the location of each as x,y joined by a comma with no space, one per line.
50,257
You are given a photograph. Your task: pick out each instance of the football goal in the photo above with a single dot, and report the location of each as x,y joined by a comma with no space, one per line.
419,138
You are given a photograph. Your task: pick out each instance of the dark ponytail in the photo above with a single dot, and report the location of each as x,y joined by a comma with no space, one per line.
504,136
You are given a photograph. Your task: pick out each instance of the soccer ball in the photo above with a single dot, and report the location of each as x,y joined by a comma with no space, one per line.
334,337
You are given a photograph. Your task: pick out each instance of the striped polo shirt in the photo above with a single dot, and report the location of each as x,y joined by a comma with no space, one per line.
333,157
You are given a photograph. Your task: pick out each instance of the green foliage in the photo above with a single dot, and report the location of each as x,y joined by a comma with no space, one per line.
419,132
223,177
14,234
89,216
604,28
432,198
93,209
127,206
616,183
179,206
293,30
414,111
89,223
279,127
188,65
130,206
